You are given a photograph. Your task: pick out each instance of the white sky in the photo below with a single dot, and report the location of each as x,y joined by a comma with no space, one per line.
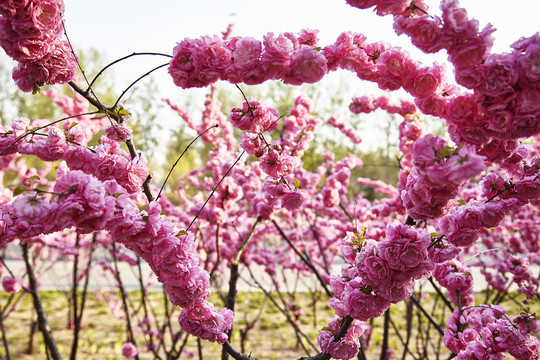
120,27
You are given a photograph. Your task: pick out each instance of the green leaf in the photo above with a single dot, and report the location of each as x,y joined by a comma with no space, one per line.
123,111
19,190
182,232
35,90
445,152
366,289
327,328
462,202
296,183
33,179
434,235
72,125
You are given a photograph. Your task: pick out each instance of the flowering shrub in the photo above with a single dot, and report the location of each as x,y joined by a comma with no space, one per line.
450,204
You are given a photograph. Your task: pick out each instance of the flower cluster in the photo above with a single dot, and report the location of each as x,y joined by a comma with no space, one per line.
11,284
338,181
484,332
346,129
505,85
129,350
377,274
463,224
436,176
457,278
293,59
91,205
254,117
31,33
108,161
345,348
367,104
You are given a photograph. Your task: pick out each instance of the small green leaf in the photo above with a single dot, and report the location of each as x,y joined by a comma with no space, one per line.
462,202
35,90
116,195
434,235
327,328
72,125
19,190
445,152
296,183
123,111
366,289
33,179
182,232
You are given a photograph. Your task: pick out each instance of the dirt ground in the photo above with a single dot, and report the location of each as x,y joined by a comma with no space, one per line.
271,337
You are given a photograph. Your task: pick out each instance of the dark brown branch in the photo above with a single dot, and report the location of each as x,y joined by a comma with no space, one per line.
304,258
117,61
215,188
231,295
43,323
427,315
123,295
180,157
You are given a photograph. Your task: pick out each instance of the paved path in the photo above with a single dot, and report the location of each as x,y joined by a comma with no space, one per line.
57,276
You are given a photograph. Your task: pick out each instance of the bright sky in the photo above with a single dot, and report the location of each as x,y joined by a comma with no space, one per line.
120,27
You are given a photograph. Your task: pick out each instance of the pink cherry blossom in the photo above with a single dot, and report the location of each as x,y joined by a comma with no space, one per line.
129,350
12,285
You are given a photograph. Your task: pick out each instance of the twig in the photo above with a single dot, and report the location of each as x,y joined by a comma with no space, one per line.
33,131
214,189
117,61
427,315
136,81
180,157
231,295
131,335
43,323
305,259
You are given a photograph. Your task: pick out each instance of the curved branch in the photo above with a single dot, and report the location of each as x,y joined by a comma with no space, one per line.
180,157
121,59
136,81
214,189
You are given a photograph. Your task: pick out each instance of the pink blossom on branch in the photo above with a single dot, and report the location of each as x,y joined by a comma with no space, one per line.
12,285
129,350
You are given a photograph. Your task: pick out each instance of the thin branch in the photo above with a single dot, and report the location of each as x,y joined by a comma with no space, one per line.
304,258
427,315
180,157
43,323
136,81
33,131
231,295
121,59
214,189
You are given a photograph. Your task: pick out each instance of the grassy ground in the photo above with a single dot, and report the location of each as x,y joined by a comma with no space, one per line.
271,337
